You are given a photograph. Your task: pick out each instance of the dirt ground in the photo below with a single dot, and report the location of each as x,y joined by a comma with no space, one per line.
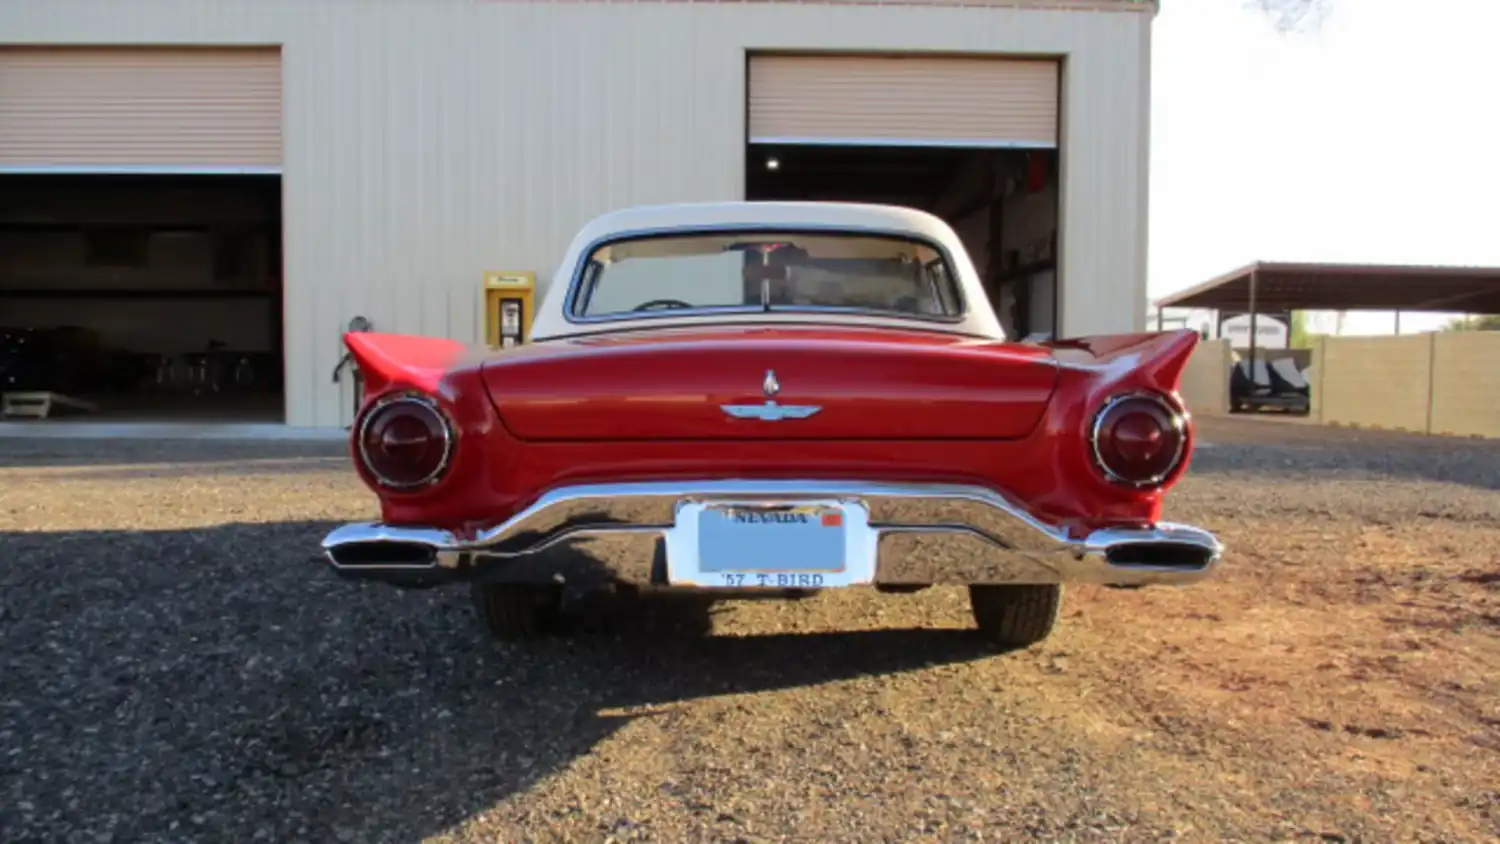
177,667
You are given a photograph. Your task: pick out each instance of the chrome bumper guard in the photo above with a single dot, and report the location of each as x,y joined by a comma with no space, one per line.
924,535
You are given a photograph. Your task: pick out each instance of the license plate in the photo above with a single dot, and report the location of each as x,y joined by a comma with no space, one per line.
797,545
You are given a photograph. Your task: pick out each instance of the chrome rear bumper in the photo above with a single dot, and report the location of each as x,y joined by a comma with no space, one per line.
922,534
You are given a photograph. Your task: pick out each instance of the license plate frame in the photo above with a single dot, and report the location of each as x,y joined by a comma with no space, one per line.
699,557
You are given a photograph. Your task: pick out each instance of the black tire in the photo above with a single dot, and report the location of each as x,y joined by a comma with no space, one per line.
517,611
1015,616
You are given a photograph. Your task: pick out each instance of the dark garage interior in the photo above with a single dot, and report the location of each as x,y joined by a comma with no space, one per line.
1002,203
142,297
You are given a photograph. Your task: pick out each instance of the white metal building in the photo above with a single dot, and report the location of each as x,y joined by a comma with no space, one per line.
254,173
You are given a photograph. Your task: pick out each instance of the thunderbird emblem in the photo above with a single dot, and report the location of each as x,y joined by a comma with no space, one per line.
770,411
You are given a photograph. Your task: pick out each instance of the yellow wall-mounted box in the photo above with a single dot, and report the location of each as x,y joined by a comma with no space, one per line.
509,307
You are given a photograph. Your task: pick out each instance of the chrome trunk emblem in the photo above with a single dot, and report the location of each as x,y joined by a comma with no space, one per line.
770,411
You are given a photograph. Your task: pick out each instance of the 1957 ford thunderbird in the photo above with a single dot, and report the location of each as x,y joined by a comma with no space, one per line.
759,399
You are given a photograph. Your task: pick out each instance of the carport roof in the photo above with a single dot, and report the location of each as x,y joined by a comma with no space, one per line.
1347,287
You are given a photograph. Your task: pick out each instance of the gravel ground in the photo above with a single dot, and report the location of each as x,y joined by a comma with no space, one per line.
177,668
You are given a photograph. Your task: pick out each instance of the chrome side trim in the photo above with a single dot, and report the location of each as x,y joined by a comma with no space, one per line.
924,534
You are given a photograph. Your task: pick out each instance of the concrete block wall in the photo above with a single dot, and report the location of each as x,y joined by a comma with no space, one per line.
1435,383
1377,382
1205,380
1466,384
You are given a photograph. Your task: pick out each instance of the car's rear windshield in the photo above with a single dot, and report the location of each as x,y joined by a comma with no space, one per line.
728,271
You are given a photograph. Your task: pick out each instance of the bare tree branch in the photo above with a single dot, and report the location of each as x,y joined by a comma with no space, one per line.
1290,16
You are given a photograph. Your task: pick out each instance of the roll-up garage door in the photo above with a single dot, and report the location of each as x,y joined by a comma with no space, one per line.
903,101
140,109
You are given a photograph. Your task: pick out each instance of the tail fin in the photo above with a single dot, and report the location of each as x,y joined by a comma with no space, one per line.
1151,360
403,359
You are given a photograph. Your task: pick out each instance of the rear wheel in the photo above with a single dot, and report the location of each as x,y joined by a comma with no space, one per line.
1015,616
517,611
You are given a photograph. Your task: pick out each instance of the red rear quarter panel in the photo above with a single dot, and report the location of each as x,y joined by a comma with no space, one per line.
1049,470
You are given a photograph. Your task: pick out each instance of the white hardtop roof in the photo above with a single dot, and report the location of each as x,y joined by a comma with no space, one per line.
979,319
820,214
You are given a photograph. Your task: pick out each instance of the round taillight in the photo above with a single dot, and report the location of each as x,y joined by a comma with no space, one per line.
1139,440
405,442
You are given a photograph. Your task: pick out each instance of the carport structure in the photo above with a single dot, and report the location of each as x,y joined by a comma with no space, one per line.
1437,382
1271,286
1346,287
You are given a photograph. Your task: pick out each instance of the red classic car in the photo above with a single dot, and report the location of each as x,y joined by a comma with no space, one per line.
764,399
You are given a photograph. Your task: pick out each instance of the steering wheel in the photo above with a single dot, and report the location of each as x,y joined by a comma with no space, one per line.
662,303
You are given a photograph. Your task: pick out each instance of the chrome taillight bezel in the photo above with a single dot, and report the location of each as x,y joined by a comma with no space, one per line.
1179,417
428,404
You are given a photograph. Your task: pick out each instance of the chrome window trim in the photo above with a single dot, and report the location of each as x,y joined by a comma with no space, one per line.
571,303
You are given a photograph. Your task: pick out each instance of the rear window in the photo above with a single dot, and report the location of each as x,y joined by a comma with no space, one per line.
790,271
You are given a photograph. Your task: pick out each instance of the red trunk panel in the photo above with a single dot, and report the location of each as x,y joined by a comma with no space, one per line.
867,384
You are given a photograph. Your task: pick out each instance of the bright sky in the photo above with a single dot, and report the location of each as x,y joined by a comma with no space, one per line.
1375,138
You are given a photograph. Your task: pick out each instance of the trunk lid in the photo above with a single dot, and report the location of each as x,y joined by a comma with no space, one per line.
864,383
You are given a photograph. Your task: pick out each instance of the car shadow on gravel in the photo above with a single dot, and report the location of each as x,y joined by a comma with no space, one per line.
218,684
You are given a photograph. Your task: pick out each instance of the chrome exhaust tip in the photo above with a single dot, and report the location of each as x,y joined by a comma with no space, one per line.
1165,547
405,564
374,548
1160,555
382,554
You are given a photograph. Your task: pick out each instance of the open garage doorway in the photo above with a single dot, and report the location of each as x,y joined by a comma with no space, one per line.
1002,203
141,233
970,139
142,297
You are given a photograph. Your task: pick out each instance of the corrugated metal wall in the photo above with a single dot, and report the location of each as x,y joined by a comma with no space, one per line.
425,142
